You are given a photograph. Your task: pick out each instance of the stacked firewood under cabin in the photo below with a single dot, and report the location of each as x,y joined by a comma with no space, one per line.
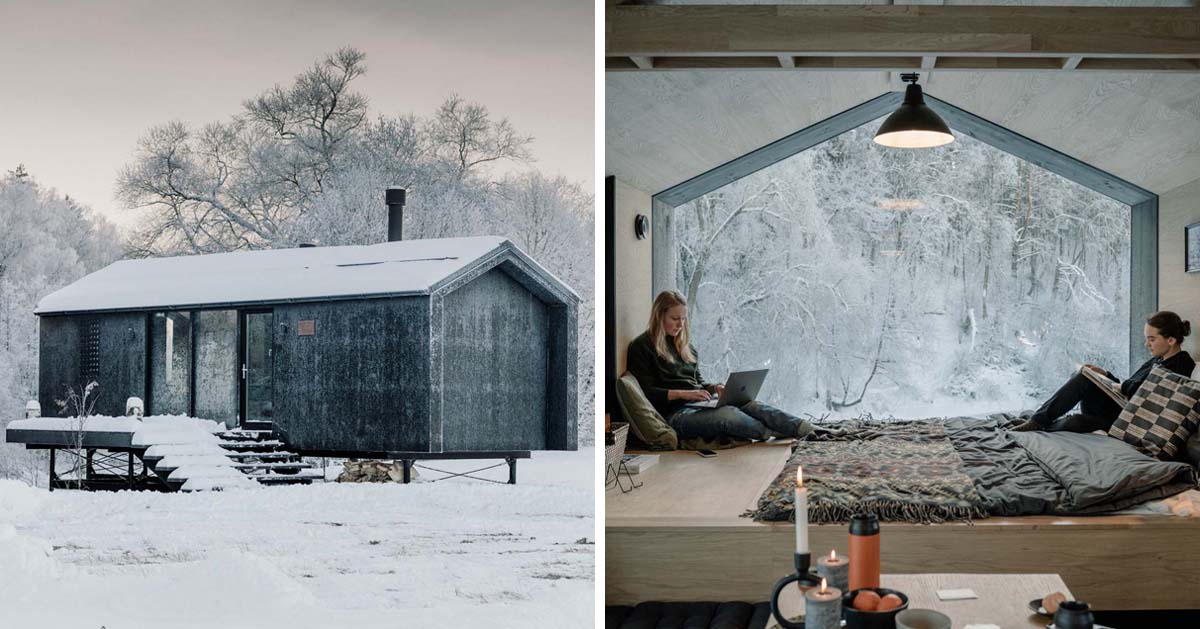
354,471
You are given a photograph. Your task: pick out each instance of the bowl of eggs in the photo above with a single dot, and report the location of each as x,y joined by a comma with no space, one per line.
873,608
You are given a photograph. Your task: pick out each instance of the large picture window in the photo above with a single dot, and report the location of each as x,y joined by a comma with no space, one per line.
911,283
170,363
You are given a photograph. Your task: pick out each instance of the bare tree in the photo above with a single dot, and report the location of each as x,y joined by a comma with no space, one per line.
234,185
79,405
317,116
467,137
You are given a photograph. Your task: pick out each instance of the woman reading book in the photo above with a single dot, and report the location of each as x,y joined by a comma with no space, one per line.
665,365
1164,332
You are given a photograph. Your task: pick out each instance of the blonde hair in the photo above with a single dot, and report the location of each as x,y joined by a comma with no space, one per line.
665,301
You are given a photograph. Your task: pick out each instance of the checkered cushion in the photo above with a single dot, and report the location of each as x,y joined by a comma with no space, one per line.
1161,415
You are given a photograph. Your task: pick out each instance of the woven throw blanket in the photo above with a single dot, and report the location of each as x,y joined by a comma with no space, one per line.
905,471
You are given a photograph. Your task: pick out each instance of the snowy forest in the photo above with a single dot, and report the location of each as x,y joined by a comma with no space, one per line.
306,161
48,241
909,283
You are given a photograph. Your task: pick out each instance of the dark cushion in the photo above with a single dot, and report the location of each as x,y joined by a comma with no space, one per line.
1161,416
645,422
1193,448
688,616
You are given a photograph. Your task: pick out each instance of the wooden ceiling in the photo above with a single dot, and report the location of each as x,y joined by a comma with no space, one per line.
901,37
663,128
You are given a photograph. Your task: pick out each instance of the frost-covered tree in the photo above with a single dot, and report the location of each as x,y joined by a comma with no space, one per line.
873,279
307,163
47,241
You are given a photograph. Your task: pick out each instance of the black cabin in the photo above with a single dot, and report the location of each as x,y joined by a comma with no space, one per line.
438,346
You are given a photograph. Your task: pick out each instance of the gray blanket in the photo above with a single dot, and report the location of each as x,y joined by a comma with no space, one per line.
1061,473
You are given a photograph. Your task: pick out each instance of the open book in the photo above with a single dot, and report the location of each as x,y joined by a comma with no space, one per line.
1110,387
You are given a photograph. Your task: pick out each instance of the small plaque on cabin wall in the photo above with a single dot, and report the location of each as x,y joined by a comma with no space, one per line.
306,327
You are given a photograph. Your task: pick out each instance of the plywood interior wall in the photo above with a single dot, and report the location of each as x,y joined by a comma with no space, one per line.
631,270
1178,290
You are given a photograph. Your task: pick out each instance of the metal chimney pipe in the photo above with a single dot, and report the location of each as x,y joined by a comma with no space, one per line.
395,202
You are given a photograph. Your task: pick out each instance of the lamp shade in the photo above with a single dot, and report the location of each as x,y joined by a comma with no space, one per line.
913,125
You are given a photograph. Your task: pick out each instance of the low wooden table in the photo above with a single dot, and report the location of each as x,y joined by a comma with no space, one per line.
1003,598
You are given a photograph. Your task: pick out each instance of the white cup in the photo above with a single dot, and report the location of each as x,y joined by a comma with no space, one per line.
922,619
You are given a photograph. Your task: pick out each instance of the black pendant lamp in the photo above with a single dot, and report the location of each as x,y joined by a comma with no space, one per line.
913,125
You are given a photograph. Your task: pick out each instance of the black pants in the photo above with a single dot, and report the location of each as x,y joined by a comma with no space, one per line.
1097,410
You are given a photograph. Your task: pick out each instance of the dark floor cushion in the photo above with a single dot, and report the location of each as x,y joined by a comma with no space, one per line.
688,616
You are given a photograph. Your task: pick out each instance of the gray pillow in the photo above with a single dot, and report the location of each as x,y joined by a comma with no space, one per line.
645,422
1193,448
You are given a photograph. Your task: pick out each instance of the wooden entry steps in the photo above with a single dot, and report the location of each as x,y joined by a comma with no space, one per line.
255,454
268,445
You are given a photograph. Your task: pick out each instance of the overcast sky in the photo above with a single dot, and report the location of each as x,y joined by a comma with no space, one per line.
80,82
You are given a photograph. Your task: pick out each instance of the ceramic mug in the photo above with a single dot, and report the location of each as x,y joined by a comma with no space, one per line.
922,619
1074,615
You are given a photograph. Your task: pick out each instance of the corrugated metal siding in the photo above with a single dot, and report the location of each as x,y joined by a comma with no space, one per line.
496,339
361,382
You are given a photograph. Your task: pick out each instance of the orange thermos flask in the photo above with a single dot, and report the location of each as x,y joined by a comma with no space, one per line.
864,551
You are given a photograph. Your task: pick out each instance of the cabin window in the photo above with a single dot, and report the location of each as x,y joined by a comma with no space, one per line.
947,281
171,363
217,365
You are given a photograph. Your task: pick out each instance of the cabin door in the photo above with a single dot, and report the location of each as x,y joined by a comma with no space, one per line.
257,347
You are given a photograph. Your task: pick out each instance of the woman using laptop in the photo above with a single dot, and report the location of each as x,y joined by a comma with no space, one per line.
1164,332
665,365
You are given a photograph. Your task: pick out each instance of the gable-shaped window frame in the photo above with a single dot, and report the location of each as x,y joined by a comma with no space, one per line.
1143,223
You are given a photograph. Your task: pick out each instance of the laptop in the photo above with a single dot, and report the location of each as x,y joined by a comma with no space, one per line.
741,388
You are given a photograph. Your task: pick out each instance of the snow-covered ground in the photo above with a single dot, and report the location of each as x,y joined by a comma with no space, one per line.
444,554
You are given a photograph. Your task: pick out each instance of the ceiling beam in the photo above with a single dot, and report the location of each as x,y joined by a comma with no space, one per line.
903,37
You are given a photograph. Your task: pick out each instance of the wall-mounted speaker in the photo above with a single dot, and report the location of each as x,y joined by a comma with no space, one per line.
641,225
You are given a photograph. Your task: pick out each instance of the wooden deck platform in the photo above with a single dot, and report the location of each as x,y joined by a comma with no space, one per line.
680,537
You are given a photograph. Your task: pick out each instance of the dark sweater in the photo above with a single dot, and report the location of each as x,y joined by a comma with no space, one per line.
657,376
1180,363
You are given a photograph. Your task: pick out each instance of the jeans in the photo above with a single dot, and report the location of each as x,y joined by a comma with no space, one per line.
753,420
1098,411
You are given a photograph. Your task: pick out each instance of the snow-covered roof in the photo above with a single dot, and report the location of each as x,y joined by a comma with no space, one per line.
280,275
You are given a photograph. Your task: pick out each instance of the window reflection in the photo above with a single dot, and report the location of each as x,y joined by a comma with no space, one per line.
216,366
171,363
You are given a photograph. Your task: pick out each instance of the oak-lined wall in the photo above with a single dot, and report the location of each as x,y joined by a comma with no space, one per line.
631,261
1178,291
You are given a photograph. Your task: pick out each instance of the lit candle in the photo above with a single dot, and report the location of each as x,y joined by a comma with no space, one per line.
801,514
823,607
834,568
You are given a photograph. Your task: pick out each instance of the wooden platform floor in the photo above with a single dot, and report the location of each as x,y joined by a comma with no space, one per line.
685,488
680,537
